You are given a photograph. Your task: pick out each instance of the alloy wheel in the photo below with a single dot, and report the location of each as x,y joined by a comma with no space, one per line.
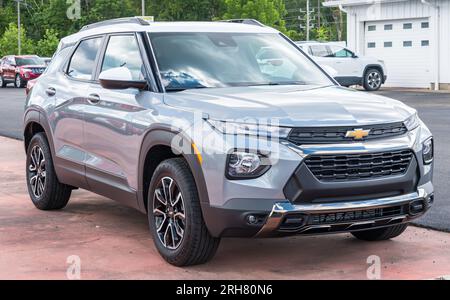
37,171
18,81
169,213
374,80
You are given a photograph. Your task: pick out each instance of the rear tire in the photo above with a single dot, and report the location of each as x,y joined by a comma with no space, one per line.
46,192
175,217
380,234
373,79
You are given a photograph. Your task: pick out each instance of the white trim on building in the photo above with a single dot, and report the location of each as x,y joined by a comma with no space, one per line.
416,56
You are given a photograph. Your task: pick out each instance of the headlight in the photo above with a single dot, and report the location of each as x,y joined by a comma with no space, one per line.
245,165
428,151
249,129
412,122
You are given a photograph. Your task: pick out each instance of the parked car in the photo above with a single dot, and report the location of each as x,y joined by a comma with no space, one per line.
352,69
20,69
180,133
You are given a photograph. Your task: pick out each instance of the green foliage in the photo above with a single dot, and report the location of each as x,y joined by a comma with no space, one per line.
46,20
8,41
47,45
268,12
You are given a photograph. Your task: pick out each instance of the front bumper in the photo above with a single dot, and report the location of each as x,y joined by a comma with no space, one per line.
287,218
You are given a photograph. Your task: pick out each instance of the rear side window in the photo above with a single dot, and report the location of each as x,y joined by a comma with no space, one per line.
123,51
320,51
82,63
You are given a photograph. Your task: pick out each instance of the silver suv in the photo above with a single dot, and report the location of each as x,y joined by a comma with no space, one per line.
191,124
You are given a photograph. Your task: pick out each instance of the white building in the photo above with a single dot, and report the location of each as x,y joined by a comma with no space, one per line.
411,36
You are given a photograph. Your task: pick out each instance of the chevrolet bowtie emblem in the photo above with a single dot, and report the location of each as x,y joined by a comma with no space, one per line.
357,134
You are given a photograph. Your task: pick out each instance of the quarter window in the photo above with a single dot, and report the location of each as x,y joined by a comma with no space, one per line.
123,51
82,63
388,27
407,26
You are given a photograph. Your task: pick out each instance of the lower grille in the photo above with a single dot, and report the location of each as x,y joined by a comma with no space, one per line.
353,216
344,167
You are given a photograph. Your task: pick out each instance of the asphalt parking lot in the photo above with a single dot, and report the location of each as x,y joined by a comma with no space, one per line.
113,242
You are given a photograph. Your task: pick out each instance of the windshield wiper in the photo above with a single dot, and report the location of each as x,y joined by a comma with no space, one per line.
180,89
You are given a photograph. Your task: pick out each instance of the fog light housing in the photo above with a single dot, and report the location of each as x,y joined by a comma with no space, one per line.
246,165
428,151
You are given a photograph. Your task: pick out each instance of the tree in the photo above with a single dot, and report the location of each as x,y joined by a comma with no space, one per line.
47,45
8,41
268,12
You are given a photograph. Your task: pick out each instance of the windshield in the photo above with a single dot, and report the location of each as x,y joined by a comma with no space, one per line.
23,61
209,60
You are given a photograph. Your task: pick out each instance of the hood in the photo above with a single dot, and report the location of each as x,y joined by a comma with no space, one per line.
293,106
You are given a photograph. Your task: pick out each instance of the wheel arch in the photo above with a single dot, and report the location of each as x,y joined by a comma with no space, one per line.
374,66
155,142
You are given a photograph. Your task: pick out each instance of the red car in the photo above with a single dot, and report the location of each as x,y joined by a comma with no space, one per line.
20,69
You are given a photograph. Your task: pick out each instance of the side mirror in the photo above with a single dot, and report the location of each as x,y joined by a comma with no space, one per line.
120,79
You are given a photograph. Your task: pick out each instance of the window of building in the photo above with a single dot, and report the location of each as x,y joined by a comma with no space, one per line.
388,27
407,26
387,44
407,44
425,43
372,28
425,25
371,45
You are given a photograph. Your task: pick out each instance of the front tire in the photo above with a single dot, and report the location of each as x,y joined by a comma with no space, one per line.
2,82
380,234
18,82
373,79
46,192
175,217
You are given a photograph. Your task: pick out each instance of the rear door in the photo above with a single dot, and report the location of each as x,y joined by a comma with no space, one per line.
67,91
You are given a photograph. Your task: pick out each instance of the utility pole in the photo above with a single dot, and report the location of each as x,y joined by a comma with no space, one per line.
318,13
143,7
18,27
308,20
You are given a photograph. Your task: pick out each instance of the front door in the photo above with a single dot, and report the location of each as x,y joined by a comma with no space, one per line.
112,154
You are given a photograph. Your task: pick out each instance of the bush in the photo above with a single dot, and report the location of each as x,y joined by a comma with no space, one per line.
8,41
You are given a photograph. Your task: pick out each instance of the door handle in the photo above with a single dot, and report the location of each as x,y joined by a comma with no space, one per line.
50,91
93,99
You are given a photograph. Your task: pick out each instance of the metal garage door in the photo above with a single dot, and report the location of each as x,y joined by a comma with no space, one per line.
405,47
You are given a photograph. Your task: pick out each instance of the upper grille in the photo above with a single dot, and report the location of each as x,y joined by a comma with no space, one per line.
359,166
323,135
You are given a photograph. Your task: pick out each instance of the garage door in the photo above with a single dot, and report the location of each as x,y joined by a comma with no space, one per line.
405,47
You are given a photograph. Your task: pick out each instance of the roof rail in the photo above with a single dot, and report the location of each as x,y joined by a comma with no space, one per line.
245,21
132,20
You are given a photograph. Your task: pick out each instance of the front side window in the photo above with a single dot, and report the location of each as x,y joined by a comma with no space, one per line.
213,60
337,51
123,51
82,63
